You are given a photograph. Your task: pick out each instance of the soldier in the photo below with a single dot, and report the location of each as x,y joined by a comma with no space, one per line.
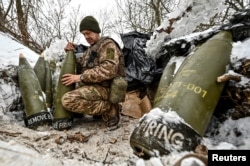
98,66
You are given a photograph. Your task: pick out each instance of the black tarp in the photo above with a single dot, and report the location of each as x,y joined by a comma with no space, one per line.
140,68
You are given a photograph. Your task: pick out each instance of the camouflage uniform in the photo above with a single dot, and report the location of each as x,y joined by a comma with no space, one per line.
98,66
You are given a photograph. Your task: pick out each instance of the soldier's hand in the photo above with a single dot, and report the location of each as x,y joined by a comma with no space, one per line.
70,46
68,79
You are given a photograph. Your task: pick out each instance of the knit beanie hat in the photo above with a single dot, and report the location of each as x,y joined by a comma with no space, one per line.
90,23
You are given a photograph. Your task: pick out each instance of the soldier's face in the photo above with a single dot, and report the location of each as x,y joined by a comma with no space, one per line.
91,37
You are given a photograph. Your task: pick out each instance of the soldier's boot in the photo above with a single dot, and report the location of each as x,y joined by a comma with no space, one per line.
112,117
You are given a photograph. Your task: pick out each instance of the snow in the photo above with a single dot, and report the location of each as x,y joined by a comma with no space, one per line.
240,50
55,51
226,139
192,161
227,133
200,14
169,116
10,50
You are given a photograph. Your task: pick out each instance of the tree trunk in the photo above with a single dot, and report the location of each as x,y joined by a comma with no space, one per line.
22,23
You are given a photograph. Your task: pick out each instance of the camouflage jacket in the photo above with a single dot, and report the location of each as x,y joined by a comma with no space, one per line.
101,63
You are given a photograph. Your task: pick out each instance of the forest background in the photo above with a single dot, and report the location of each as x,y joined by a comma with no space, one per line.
38,23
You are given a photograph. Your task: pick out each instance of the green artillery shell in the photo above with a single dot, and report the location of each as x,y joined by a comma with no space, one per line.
48,85
166,78
194,92
62,118
52,66
40,71
193,95
32,95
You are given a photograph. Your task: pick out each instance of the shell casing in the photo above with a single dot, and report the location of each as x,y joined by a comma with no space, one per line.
62,118
192,94
32,95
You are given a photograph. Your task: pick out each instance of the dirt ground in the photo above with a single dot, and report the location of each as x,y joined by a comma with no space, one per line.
87,142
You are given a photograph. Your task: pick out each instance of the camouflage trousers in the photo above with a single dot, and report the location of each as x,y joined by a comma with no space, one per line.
90,99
